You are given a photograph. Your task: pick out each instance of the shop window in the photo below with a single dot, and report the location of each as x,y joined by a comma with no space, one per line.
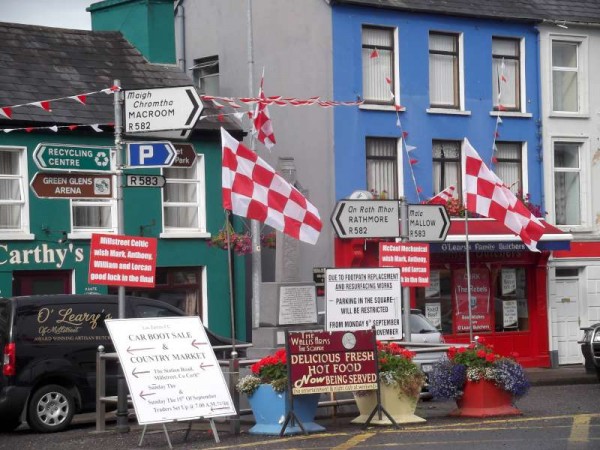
506,74
378,54
382,166
510,303
13,191
436,300
444,70
447,166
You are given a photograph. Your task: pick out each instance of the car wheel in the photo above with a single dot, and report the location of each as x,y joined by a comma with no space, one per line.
9,424
51,409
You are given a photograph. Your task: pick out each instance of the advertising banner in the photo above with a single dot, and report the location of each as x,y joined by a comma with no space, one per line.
413,260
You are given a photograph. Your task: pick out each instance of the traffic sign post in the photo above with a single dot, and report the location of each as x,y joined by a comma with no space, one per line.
79,158
161,109
73,185
186,155
145,180
366,218
150,154
427,223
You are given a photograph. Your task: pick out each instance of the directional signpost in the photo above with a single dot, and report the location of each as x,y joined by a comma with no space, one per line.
186,155
427,223
73,185
79,158
150,154
144,180
366,218
162,109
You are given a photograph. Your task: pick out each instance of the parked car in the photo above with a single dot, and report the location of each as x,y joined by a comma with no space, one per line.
590,348
50,342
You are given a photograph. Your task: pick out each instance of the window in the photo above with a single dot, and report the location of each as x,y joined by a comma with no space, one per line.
382,166
93,215
567,182
565,76
506,67
509,167
444,82
13,191
183,198
447,166
206,75
378,65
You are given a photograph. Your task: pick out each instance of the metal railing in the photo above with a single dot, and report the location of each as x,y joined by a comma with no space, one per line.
231,370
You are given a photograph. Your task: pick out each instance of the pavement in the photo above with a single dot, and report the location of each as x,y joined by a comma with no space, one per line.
569,374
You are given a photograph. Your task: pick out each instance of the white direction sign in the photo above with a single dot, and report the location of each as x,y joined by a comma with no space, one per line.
366,218
161,109
171,369
427,223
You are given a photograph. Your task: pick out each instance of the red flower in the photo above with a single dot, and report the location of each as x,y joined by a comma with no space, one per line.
490,357
481,353
462,350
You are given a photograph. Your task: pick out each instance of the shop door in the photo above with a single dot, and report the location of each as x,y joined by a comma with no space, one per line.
565,321
43,282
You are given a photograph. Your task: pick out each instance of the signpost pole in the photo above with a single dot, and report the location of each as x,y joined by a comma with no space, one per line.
122,407
405,289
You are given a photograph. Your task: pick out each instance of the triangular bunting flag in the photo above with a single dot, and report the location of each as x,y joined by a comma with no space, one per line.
6,112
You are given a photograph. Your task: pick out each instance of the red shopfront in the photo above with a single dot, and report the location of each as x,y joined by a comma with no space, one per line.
508,286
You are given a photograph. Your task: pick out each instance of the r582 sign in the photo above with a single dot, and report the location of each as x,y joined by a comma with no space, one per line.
145,181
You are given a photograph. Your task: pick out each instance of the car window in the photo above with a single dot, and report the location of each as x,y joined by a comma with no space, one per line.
142,311
420,324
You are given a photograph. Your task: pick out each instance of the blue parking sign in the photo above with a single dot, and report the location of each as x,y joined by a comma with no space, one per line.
150,154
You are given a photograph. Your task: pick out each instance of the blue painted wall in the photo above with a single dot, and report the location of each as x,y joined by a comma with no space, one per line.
353,125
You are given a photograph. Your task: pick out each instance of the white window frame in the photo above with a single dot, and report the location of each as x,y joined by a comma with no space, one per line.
585,184
460,110
399,159
391,106
86,233
201,232
582,75
23,232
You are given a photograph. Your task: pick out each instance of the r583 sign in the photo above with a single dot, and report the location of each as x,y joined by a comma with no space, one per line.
145,181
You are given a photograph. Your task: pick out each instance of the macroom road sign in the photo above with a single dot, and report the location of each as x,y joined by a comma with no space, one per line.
150,154
161,109
76,158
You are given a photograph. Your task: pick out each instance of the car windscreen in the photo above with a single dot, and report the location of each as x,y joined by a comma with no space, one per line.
419,324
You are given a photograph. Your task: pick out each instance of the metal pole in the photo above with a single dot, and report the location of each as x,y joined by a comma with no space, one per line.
405,289
468,276
122,407
254,224
234,353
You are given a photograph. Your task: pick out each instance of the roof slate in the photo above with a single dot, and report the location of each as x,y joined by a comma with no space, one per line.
44,63
583,11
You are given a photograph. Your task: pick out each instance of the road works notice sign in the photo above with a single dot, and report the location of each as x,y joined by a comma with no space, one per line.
336,361
358,299
171,369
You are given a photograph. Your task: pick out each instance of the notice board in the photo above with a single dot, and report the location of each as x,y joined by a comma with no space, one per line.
171,369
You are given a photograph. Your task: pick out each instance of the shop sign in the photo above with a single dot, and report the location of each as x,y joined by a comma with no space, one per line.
362,298
119,260
481,316
413,260
337,361
39,256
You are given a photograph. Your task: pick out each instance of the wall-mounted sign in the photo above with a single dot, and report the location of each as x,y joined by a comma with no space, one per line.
412,258
297,304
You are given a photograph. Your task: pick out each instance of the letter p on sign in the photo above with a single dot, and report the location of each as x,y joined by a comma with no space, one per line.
146,152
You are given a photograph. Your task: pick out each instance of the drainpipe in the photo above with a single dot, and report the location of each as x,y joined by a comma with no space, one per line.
180,30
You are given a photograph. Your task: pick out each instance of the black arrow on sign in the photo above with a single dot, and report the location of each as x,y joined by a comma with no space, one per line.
135,374
146,394
337,218
194,102
446,222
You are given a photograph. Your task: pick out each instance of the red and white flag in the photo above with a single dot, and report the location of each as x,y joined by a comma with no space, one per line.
488,196
443,197
262,126
252,189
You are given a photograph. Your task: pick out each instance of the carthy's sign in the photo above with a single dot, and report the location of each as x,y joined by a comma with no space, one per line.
335,361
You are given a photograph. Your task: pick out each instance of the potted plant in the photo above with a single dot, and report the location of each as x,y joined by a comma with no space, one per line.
266,388
482,382
400,381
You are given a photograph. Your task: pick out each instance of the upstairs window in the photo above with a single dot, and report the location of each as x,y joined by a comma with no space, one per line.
506,74
94,216
13,191
509,165
206,75
382,166
565,76
444,68
447,166
567,182
378,65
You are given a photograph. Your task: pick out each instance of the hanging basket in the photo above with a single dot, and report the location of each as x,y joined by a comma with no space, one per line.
241,243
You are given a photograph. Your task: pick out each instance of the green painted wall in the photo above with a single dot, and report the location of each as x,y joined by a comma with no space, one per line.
148,24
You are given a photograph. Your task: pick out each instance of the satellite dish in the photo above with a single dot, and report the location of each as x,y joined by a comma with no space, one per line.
361,195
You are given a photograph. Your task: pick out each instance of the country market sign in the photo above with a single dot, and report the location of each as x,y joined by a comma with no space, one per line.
161,109
76,158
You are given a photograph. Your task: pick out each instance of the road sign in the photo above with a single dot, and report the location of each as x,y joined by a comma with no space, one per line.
73,185
366,218
186,155
427,223
78,158
145,181
150,154
161,109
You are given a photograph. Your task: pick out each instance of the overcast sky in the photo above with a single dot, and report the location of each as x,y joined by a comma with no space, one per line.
52,13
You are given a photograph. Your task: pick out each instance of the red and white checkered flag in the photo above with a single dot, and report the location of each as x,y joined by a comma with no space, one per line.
262,126
488,196
443,197
252,189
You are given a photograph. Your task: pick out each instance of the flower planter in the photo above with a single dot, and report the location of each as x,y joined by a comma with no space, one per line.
484,399
270,409
399,406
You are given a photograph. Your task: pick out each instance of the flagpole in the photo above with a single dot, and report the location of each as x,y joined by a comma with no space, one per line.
468,275
231,297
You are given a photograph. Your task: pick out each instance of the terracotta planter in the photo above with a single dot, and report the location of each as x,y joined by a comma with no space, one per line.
270,409
484,399
398,405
